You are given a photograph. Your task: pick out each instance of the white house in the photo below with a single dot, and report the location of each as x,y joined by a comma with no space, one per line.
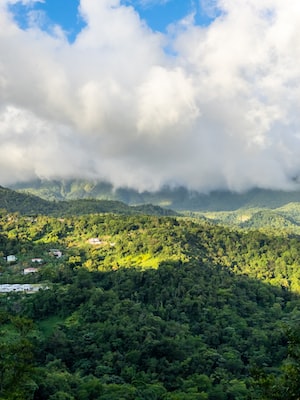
18,287
37,260
56,253
30,270
11,258
94,241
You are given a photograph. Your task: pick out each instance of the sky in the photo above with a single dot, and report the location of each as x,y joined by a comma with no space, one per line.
145,93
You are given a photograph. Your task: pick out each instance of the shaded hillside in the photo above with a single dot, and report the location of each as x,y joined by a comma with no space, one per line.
177,198
13,201
67,189
90,206
29,204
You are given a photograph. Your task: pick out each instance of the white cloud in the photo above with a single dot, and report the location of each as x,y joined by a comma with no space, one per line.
23,2
219,110
146,3
166,100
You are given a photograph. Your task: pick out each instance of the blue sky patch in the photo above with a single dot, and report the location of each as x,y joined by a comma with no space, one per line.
157,14
49,13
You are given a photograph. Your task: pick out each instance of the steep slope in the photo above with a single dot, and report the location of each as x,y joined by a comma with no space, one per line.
13,201
29,204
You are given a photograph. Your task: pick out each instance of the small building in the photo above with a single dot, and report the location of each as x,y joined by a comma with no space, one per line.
11,258
37,260
30,270
94,241
55,252
18,287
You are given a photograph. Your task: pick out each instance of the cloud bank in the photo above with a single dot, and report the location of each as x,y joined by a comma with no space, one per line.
213,107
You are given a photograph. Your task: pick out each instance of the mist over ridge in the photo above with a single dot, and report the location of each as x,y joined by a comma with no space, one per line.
208,108
177,198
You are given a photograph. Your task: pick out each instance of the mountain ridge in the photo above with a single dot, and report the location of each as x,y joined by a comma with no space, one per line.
179,199
28,203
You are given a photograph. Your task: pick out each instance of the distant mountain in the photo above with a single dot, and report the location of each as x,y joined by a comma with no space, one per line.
29,204
236,210
285,218
67,189
271,219
177,199
13,201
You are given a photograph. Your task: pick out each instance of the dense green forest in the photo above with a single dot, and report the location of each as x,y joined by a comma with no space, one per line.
275,210
29,204
285,218
148,307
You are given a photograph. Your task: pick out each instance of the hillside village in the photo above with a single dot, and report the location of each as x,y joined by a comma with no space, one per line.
21,287
18,266
22,269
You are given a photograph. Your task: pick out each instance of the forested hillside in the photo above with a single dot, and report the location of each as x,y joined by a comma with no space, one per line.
26,203
284,219
148,307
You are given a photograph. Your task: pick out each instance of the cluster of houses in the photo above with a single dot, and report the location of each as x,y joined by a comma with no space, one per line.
18,287
30,270
27,287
